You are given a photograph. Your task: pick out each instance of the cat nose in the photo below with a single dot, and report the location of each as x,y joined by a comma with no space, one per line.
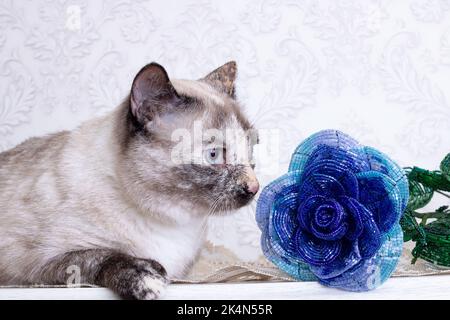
251,184
252,187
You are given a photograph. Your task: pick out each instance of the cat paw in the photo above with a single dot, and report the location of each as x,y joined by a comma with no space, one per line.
133,278
149,287
148,281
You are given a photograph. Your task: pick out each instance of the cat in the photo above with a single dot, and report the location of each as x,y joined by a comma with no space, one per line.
110,203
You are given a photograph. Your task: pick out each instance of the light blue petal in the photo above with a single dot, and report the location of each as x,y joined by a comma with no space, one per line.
380,162
371,273
270,241
264,214
332,138
268,195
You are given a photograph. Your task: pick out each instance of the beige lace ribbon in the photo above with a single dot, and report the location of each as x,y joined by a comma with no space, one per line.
219,264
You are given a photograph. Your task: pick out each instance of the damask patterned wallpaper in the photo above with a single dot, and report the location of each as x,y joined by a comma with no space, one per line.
376,69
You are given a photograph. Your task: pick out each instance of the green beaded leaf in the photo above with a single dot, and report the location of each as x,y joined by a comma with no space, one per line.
439,230
432,239
435,180
437,248
419,194
410,227
445,167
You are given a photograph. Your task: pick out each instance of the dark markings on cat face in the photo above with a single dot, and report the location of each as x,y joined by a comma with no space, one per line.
155,109
211,183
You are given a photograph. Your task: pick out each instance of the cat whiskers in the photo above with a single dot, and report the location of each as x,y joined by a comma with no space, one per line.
215,205
212,210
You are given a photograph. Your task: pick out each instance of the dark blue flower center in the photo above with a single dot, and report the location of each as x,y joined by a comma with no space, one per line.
329,221
324,215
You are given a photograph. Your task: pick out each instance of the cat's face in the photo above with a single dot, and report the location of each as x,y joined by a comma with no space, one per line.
190,141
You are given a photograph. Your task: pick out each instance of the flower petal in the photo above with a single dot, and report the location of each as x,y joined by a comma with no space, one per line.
369,240
331,236
268,195
264,217
331,138
381,195
316,251
372,272
355,223
380,162
284,214
342,172
320,184
294,267
348,257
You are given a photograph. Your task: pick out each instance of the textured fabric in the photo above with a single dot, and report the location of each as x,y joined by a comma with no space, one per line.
219,264
335,215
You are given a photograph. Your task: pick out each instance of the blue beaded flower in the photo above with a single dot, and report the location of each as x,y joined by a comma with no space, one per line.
335,215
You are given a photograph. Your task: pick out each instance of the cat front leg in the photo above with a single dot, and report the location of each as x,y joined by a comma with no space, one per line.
129,277
133,278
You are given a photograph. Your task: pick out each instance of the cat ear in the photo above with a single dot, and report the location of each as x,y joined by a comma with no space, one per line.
223,78
151,93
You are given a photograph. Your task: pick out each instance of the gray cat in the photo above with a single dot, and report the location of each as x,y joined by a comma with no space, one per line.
109,199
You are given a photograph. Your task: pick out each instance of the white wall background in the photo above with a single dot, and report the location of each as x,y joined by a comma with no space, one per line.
378,70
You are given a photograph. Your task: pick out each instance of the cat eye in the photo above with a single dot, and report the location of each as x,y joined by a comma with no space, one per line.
215,156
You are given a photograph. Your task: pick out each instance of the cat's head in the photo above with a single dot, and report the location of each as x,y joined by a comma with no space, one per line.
189,141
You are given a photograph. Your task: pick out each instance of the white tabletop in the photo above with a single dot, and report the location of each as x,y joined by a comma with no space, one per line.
428,287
